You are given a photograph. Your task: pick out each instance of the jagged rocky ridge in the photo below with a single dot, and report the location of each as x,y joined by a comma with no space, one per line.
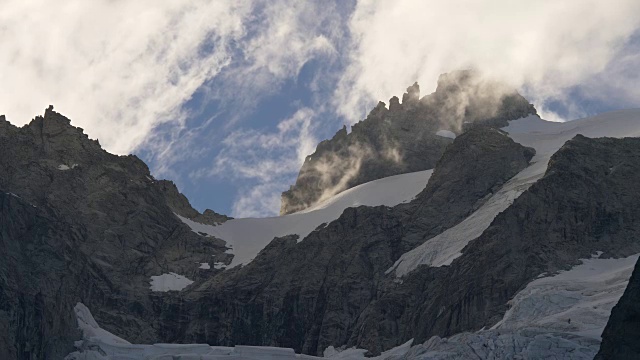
181,206
80,224
402,138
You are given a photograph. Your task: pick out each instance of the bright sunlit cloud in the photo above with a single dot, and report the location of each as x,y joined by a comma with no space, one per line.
547,45
117,68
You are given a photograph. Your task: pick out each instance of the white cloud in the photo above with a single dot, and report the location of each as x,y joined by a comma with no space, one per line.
116,68
264,161
280,37
547,45
257,201
284,36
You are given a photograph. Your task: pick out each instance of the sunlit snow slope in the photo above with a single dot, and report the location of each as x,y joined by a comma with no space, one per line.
544,136
248,236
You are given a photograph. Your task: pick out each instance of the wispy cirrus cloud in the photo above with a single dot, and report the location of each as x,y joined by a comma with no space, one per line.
280,38
264,161
117,68
544,48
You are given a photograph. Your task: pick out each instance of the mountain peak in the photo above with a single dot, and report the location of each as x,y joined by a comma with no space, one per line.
412,95
405,138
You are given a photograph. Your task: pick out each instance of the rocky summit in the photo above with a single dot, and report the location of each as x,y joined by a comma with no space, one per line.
80,224
403,137
486,233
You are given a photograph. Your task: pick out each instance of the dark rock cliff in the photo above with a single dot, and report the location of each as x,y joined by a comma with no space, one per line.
402,138
455,190
81,225
620,337
180,205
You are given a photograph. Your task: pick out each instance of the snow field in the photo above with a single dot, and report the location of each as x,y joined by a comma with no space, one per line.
246,237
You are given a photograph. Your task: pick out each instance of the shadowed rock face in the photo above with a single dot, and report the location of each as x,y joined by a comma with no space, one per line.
180,205
402,138
79,224
620,337
313,294
585,203
456,189
331,288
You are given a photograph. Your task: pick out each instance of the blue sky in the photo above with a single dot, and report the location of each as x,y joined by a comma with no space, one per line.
227,98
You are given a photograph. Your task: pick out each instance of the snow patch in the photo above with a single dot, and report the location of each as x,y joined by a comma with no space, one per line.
204,266
169,282
547,136
64,167
18,197
246,237
91,330
219,265
446,133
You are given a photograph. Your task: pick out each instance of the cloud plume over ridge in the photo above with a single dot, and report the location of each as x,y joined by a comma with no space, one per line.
546,46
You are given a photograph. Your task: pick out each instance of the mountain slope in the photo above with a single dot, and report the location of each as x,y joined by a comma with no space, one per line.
548,228
80,224
247,237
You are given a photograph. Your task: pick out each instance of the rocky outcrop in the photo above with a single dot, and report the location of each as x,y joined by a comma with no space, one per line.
181,206
78,224
402,138
472,168
620,337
